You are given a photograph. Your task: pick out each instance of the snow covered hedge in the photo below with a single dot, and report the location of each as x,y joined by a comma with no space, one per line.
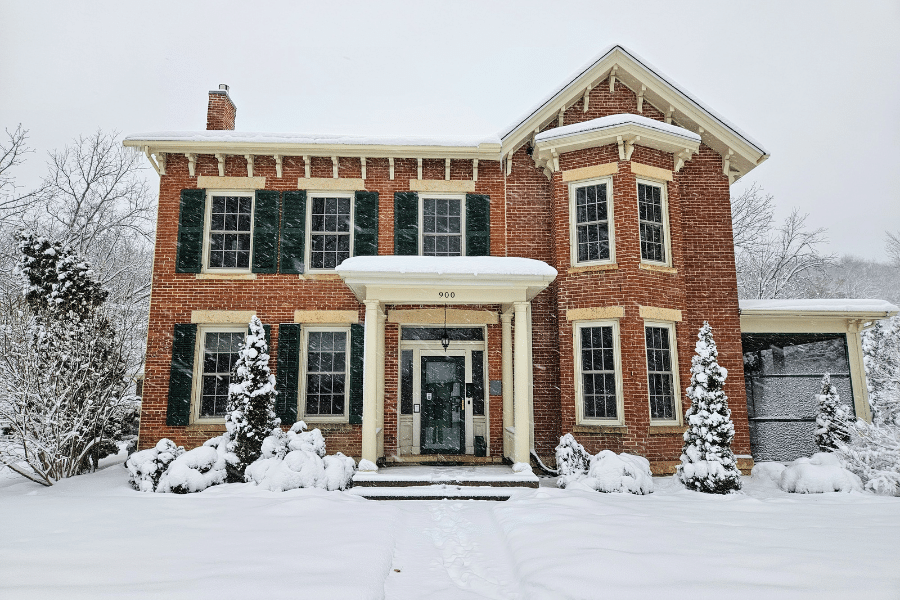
603,472
289,460
820,473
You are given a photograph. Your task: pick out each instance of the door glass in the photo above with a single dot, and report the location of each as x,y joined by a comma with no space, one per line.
440,372
442,425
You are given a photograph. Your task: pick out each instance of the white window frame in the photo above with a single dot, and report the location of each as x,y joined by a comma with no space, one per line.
676,384
199,352
304,361
462,218
577,326
307,253
207,230
667,237
573,224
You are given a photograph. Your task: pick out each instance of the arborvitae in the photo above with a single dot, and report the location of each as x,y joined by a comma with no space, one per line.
707,462
250,416
832,420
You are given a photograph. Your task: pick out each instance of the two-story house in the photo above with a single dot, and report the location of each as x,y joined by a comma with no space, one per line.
456,299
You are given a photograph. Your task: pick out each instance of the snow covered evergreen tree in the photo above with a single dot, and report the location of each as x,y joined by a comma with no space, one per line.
833,418
250,415
707,462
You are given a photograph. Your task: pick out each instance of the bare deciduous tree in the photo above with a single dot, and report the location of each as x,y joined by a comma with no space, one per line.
893,247
751,217
12,153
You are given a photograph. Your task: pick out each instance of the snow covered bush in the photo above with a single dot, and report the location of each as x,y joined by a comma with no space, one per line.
832,420
197,469
605,472
707,462
65,390
820,473
296,459
572,460
145,468
250,414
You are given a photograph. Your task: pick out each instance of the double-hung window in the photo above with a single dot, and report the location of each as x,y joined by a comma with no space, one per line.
325,381
230,230
653,221
443,224
218,348
330,230
590,210
598,382
662,373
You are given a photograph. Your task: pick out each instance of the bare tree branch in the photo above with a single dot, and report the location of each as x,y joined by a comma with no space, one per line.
12,153
751,217
893,247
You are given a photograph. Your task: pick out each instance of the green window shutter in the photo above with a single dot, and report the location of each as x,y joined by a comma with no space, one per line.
293,232
181,375
265,232
287,381
365,226
478,225
406,223
357,339
192,213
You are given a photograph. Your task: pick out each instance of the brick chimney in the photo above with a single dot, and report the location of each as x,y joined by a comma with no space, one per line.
221,110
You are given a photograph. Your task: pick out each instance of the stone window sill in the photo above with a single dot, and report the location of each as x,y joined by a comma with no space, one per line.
211,426
226,276
319,276
667,429
608,429
590,268
329,426
658,268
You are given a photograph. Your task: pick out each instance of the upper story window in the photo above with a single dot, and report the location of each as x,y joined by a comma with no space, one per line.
653,218
598,379
662,372
230,220
442,226
330,230
218,347
591,232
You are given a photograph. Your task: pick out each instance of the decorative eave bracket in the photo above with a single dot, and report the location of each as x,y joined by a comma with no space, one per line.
192,163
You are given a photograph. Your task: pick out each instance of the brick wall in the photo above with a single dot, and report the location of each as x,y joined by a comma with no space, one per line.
220,112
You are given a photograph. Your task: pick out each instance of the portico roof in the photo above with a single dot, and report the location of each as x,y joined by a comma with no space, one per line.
445,279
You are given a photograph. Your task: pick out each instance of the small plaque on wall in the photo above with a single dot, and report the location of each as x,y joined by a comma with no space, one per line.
496,387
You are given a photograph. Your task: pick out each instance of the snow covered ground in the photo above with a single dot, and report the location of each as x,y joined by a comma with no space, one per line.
93,537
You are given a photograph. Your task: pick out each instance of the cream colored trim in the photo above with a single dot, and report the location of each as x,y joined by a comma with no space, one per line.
432,316
676,382
589,268
603,170
660,314
225,276
574,186
199,346
329,184
657,268
320,276
326,316
760,323
580,419
304,365
210,182
667,231
651,172
222,316
440,185
601,312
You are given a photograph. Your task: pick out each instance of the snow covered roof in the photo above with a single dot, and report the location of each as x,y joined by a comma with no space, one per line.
864,307
249,137
612,121
446,279
660,91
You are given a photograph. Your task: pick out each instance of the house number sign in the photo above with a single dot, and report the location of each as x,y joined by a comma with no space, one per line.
447,294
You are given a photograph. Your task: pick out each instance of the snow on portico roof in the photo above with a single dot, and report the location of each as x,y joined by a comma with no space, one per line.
829,305
471,266
614,121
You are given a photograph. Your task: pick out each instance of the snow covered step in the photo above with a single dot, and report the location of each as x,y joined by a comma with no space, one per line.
435,492
491,476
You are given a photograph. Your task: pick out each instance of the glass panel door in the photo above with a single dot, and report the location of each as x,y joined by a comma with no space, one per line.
443,386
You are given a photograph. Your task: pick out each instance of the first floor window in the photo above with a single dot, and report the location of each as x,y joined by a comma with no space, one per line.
651,215
442,227
330,231
326,373
592,223
220,352
230,220
598,372
660,373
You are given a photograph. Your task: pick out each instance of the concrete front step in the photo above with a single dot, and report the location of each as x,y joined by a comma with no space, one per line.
435,492
482,476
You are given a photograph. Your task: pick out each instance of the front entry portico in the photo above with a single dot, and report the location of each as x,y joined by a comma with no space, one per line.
448,425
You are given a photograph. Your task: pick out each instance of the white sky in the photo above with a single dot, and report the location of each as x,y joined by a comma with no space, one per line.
817,83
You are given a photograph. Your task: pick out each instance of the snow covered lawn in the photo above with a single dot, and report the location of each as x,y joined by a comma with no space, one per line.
93,537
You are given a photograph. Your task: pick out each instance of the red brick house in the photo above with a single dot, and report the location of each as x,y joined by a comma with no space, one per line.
456,299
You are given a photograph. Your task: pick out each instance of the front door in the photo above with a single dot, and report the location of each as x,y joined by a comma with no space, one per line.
443,413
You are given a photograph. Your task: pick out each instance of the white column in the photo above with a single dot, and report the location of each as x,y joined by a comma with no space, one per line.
379,413
530,382
523,427
370,383
507,380
858,372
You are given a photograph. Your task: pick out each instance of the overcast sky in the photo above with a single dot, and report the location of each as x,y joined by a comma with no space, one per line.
817,83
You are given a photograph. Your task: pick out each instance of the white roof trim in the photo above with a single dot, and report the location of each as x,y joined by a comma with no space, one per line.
613,121
831,307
